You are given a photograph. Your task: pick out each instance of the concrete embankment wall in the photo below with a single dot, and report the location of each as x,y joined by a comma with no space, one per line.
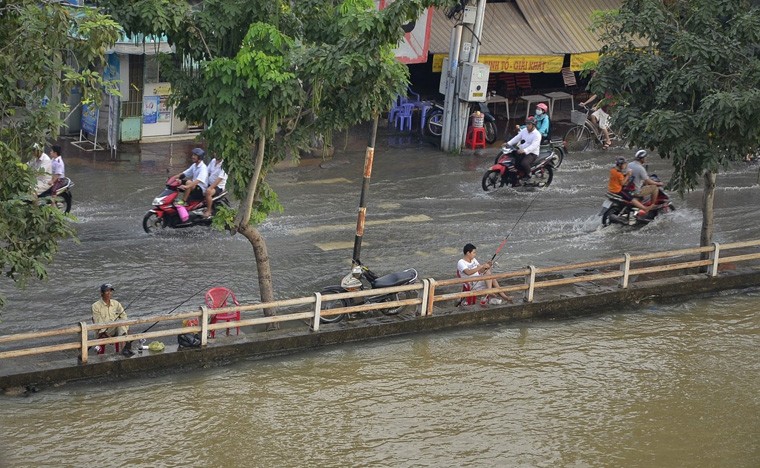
267,344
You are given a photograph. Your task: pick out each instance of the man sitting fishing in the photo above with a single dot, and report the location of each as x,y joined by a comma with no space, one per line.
108,310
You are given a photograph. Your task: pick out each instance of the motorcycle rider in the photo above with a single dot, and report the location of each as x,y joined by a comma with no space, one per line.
42,163
196,177
645,186
620,176
529,139
542,122
217,180
58,167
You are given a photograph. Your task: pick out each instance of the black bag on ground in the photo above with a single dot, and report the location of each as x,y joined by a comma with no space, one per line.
189,340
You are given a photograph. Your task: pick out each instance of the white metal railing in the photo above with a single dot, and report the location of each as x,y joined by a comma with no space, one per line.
426,298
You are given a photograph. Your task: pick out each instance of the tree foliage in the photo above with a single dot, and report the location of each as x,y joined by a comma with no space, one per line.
267,76
46,48
691,90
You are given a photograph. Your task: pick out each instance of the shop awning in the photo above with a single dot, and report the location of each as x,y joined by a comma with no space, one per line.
565,26
509,45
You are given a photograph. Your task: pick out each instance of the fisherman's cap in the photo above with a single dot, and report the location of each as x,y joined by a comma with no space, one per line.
105,287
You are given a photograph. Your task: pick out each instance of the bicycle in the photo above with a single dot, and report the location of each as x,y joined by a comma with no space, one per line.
585,133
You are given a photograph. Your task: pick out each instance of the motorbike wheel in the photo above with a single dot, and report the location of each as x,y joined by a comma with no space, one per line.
545,175
67,200
578,138
491,131
396,297
434,123
491,180
152,223
332,305
560,156
606,221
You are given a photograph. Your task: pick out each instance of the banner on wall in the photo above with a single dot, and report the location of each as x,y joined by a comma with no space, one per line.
414,46
150,109
579,62
513,63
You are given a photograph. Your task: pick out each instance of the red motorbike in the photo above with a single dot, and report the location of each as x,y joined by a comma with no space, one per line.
506,172
618,210
166,213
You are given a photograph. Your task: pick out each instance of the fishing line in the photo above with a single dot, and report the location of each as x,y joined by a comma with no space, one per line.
503,242
192,296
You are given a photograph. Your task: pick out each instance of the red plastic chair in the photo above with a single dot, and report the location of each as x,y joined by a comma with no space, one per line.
467,287
218,297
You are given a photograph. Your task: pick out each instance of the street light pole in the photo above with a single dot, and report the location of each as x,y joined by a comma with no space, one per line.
369,157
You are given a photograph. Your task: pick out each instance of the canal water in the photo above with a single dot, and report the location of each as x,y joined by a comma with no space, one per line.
666,385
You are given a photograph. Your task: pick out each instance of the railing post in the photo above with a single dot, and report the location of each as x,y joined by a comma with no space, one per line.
530,280
715,254
425,294
83,336
626,267
204,325
431,297
317,311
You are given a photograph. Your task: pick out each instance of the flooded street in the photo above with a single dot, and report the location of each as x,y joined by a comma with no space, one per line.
654,385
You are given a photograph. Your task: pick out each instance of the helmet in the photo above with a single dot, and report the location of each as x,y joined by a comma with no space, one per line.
619,161
530,120
199,152
543,107
641,154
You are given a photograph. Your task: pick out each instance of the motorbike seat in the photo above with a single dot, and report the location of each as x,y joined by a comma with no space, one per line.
615,197
395,279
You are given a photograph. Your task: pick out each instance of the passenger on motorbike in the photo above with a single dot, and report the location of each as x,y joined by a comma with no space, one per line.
217,180
620,176
529,139
645,186
542,123
196,177
44,167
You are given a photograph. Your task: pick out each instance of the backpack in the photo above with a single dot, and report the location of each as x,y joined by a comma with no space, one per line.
189,340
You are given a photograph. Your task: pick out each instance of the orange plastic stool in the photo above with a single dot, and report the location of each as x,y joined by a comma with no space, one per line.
476,137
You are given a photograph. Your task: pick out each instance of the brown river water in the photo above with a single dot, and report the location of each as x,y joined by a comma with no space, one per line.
654,385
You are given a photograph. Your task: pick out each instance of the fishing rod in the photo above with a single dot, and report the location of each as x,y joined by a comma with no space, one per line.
185,301
504,241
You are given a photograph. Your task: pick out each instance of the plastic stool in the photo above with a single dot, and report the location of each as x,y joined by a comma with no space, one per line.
476,137
103,348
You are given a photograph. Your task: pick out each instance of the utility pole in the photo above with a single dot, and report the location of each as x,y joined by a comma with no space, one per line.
456,111
369,157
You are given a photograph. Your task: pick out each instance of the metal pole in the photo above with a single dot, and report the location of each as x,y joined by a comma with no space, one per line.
449,119
369,157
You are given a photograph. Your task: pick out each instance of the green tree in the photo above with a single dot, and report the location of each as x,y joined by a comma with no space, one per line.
45,49
685,74
267,76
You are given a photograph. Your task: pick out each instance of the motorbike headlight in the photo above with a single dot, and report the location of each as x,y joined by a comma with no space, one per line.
158,201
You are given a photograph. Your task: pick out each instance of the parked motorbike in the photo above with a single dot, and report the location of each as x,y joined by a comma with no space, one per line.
60,194
434,124
505,172
165,213
618,210
362,278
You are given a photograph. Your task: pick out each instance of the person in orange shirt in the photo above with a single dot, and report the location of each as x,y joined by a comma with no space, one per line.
620,176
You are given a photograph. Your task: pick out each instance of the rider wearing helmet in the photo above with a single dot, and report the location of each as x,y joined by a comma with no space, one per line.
542,122
644,186
196,176
620,176
529,139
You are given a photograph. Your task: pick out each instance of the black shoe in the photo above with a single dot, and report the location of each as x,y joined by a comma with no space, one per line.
127,352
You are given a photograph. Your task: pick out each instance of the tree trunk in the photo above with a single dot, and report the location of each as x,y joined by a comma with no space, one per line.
253,235
708,198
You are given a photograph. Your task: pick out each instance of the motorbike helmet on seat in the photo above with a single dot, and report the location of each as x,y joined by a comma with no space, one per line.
619,161
543,107
641,154
530,120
